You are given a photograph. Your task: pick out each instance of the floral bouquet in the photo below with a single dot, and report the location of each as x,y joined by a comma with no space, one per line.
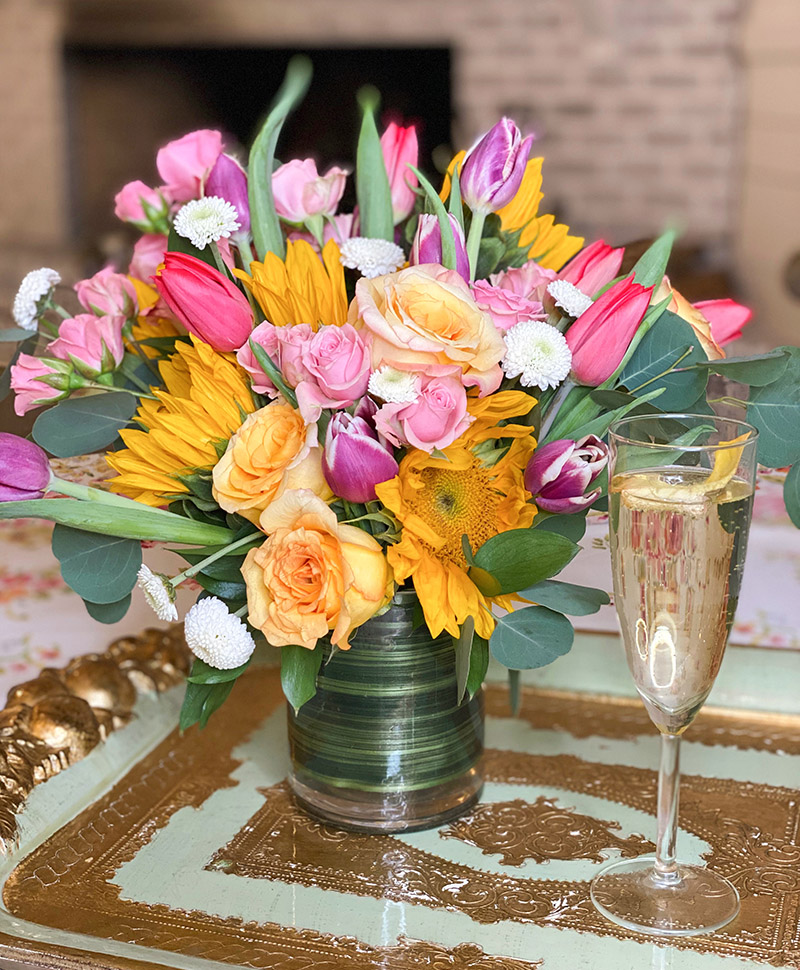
319,406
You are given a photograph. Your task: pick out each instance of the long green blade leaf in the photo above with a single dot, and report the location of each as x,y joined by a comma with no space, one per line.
445,227
372,183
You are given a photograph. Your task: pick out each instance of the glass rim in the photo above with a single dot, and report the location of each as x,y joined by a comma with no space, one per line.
744,425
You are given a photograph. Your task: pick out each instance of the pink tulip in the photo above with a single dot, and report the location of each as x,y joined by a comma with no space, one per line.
337,360
300,192
148,255
727,318
266,336
560,472
427,245
493,169
108,292
41,380
434,420
354,460
530,281
24,469
93,344
205,302
184,164
593,267
505,307
400,148
602,334
228,180
130,201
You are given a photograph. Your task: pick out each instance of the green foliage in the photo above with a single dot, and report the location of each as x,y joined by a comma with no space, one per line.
478,665
572,526
266,363
758,370
108,612
567,597
201,700
445,228
299,669
512,560
514,691
102,569
652,264
791,494
490,253
203,673
26,347
14,334
463,648
179,244
775,410
79,425
531,637
372,183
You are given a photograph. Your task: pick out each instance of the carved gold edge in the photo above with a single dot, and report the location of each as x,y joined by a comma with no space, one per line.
56,719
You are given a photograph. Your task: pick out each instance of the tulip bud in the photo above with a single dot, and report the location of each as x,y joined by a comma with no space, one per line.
228,180
494,168
24,469
427,245
560,472
593,267
206,303
602,334
400,149
42,380
354,460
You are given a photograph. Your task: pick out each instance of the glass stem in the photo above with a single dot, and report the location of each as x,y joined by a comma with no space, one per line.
668,791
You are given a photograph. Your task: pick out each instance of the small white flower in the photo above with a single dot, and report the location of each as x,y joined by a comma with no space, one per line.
394,386
36,285
536,353
202,221
216,636
159,593
371,257
572,300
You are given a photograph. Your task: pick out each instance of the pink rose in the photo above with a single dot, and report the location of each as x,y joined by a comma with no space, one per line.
93,344
41,380
301,192
505,307
338,364
128,203
292,350
530,281
434,420
266,336
108,292
184,164
148,255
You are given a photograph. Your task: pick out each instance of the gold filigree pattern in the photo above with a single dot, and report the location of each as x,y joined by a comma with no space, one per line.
542,830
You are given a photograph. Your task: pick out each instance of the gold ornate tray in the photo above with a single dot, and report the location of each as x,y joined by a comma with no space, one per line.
187,851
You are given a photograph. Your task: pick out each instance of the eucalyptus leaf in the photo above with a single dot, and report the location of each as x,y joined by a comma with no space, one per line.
758,370
372,182
463,649
652,264
567,597
531,637
203,673
572,526
791,493
775,410
79,425
15,334
108,612
478,665
299,669
518,558
101,569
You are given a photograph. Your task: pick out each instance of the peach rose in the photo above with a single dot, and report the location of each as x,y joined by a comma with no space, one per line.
424,318
274,450
312,576
692,315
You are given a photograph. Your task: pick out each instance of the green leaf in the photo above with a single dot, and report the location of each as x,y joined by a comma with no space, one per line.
216,697
80,425
200,701
232,591
445,228
490,252
572,526
27,347
791,494
775,410
108,612
478,665
372,183
15,334
514,692
758,370
101,569
454,205
179,244
203,673
299,669
518,558
567,597
531,637
599,426
266,226
463,648
652,264
268,365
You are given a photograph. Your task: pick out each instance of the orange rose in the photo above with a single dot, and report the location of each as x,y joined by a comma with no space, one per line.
274,450
692,315
312,575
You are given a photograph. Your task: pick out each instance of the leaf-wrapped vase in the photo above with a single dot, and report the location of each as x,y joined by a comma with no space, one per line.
384,745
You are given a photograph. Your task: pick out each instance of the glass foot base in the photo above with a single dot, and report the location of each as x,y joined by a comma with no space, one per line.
631,894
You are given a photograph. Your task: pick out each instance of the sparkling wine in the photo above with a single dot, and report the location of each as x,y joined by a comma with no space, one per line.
678,546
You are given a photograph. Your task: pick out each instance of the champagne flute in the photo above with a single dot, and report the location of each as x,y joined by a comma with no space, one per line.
680,501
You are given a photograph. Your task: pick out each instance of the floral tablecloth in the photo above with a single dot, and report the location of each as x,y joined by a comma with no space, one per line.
43,623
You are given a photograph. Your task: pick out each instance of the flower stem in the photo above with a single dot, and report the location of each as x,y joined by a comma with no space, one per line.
120,390
225,551
88,494
474,241
555,404
214,248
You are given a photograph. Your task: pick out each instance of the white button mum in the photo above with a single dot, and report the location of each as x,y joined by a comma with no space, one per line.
371,257
159,593
572,301
202,221
536,353
394,386
216,636
34,287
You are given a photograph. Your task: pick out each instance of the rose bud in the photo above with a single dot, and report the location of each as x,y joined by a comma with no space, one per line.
42,380
427,245
228,180
354,461
400,149
205,302
560,472
93,344
24,469
493,170
108,292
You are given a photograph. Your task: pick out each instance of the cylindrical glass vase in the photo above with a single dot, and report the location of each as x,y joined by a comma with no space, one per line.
384,745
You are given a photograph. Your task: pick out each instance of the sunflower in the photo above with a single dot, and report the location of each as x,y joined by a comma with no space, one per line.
437,500
547,241
301,289
203,402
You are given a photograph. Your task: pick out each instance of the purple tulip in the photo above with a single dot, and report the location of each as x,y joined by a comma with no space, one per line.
560,472
24,469
228,180
427,245
493,170
354,460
